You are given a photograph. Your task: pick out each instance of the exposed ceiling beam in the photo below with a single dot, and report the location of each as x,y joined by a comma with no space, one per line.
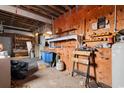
14,20
57,8
49,10
61,7
46,11
7,20
35,10
67,7
17,23
24,13
72,6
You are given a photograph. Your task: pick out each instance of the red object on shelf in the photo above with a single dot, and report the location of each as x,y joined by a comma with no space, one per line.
110,40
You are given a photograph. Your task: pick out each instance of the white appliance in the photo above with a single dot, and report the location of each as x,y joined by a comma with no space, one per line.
118,65
4,54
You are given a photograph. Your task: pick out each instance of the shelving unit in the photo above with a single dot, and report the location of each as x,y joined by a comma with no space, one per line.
64,38
69,37
20,48
100,38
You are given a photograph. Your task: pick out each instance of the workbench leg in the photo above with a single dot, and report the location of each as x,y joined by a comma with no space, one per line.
77,66
88,75
73,69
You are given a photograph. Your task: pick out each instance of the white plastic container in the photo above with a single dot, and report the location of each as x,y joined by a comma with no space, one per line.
60,65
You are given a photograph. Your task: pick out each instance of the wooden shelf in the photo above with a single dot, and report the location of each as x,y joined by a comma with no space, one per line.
94,41
20,50
66,31
100,38
101,35
69,37
20,47
72,29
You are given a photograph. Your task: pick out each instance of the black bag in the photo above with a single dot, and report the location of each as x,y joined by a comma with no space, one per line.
19,69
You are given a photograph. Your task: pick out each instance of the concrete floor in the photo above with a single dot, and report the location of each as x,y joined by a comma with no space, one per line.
48,77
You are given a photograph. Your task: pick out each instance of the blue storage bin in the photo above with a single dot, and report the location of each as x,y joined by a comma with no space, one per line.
47,57
43,56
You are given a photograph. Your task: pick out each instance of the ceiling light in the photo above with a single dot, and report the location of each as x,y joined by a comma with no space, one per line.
36,34
49,32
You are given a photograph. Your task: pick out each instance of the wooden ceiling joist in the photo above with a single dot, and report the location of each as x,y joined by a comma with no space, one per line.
35,10
17,24
15,20
9,20
31,16
24,13
55,10
58,8
67,7
20,18
48,9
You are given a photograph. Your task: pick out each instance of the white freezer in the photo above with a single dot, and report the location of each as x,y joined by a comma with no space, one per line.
118,65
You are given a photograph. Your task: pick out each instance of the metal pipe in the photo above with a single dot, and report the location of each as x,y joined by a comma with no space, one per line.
76,8
19,28
19,32
115,18
53,32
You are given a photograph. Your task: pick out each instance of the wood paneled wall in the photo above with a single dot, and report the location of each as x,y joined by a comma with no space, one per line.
82,18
